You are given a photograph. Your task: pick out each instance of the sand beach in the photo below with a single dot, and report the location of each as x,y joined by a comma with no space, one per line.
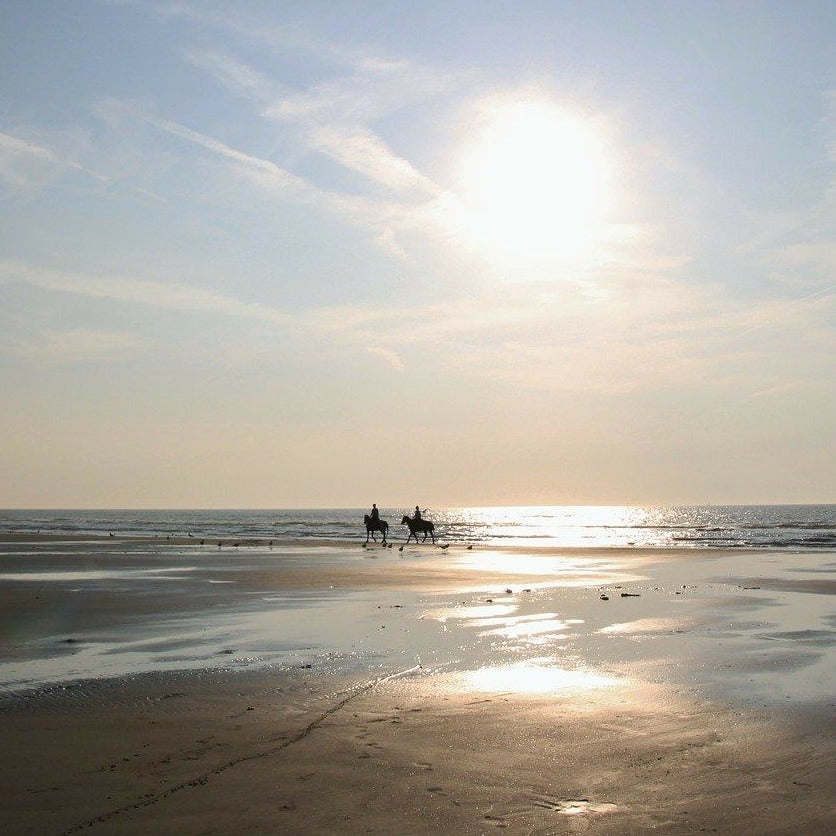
169,687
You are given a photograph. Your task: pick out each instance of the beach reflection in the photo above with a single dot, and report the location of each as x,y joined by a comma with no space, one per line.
646,626
501,621
535,676
474,614
554,569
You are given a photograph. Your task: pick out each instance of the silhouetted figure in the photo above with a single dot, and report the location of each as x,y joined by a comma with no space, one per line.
417,516
374,523
416,525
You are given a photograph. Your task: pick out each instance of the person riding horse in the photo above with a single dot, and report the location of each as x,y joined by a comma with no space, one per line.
416,524
374,523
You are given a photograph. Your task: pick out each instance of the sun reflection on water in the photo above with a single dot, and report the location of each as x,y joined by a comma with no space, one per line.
530,625
536,676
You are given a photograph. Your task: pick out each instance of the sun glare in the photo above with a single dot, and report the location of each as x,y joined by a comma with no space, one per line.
534,183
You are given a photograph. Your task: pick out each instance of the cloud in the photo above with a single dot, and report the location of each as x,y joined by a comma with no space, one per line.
361,151
333,118
639,333
238,78
322,126
156,294
13,147
381,218
388,355
277,175
25,164
76,345
286,37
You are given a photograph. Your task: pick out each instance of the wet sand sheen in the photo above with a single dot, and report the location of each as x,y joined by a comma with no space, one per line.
266,752
335,690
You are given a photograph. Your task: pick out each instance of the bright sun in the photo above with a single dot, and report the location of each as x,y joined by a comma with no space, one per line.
534,183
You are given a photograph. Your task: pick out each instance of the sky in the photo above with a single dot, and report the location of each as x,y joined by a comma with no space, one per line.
324,254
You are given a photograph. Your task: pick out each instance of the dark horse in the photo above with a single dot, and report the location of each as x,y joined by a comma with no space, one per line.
375,525
418,525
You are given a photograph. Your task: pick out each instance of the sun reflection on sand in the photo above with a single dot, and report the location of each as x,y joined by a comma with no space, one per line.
557,569
536,676
532,625
483,612
646,625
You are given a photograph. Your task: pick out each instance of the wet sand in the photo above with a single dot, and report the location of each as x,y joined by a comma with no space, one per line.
336,690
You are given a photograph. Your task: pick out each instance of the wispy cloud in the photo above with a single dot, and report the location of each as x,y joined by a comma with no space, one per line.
157,294
238,78
25,164
384,219
334,118
75,346
287,37
389,356
359,150
13,147
279,176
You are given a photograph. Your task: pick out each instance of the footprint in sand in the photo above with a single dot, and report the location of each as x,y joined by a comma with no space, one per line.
496,821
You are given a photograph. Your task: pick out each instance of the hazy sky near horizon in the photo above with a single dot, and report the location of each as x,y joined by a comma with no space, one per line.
296,254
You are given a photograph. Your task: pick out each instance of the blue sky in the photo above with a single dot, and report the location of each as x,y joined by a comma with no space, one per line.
311,254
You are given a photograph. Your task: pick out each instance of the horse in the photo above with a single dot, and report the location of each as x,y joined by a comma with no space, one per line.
418,525
375,525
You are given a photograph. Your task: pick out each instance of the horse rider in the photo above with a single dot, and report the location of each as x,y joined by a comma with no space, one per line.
375,516
417,514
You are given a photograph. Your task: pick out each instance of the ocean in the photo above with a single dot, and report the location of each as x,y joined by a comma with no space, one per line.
800,527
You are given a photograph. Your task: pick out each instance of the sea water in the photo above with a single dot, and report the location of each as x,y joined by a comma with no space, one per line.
696,526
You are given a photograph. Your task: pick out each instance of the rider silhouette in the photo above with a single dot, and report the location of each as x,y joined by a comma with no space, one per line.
374,514
417,513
